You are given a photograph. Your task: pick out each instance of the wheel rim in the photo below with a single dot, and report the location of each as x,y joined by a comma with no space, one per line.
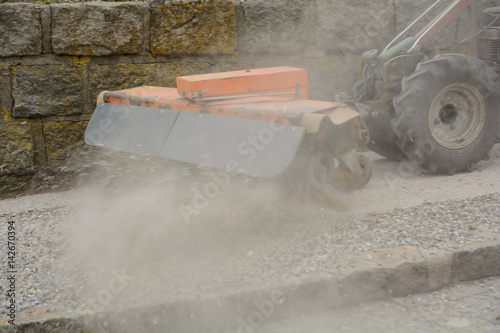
457,115
345,179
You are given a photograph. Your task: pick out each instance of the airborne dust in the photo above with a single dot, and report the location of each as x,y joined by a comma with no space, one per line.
152,231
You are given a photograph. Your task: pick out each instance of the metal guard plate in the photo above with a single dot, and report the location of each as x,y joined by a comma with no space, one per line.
237,145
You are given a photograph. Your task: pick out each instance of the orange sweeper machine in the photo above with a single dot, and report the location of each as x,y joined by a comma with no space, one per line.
256,122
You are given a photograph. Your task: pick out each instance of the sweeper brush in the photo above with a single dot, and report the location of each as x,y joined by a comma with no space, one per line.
255,122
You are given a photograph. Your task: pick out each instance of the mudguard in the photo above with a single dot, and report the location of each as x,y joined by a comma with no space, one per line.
236,145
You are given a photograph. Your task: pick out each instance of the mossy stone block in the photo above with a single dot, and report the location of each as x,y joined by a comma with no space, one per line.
275,26
193,28
16,145
20,30
62,139
98,28
47,90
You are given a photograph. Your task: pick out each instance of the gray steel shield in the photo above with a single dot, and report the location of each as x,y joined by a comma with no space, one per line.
130,128
235,145
255,148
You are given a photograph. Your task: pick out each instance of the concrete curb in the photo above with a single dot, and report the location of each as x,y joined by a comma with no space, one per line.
358,278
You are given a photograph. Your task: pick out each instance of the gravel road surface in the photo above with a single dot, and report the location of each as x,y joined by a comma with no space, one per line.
118,241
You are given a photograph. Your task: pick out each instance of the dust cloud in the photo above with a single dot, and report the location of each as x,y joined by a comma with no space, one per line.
153,231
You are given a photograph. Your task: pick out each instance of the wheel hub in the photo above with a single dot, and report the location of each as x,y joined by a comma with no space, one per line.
457,115
448,114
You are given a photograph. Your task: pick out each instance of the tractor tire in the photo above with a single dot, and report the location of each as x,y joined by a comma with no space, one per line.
383,140
445,117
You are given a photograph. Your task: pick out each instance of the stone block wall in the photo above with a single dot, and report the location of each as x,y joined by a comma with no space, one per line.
55,59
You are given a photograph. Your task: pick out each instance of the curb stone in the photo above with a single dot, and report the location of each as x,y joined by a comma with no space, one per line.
357,278
476,262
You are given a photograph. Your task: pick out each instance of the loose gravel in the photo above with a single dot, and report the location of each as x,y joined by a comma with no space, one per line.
69,256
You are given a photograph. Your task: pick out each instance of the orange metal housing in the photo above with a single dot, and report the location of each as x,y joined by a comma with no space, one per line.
281,110
241,94
245,82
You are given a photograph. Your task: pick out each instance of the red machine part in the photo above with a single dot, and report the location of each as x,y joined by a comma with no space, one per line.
260,81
